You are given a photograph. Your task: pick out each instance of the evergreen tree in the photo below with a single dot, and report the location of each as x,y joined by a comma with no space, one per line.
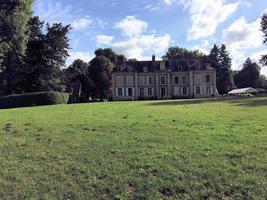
249,76
225,74
220,60
34,59
46,55
264,30
14,17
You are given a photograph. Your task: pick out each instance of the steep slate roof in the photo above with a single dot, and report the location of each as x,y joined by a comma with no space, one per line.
171,65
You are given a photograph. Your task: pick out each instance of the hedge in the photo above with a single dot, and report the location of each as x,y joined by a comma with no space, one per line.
34,99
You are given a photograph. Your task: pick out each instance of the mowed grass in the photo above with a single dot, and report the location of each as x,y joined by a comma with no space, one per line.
185,149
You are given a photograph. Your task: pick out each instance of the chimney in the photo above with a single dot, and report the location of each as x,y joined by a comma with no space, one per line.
153,58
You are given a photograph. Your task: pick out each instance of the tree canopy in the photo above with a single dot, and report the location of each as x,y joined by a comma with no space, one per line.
220,60
264,30
14,35
249,76
179,52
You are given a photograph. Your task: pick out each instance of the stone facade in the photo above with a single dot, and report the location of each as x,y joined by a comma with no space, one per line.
175,78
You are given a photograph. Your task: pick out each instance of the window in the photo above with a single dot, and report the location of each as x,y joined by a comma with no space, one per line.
130,92
119,80
145,70
208,78
142,92
176,80
208,90
130,80
120,92
176,91
184,79
162,80
142,80
150,80
184,90
149,91
198,90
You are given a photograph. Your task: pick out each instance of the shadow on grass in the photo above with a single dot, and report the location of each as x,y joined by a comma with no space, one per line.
251,102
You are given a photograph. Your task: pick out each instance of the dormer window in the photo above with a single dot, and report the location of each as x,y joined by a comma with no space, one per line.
129,69
145,69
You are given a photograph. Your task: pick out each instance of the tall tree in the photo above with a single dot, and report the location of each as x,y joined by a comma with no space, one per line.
34,59
46,55
14,17
264,30
225,73
100,69
108,53
249,76
220,60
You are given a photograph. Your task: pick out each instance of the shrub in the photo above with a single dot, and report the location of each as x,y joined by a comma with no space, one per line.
34,99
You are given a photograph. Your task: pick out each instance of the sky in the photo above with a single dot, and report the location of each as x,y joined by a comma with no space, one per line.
141,28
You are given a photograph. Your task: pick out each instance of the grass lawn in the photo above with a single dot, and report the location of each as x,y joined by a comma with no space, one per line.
186,149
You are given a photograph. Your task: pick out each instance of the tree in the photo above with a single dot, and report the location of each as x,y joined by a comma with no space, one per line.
179,52
249,76
225,74
264,30
34,59
14,17
220,60
78,71
108,53
46,55
99,71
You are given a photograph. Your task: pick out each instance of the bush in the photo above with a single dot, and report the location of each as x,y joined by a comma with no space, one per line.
34,99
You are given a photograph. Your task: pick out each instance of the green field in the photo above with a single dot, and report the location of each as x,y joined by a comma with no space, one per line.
186,149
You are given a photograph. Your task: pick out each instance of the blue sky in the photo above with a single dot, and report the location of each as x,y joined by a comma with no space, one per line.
140,28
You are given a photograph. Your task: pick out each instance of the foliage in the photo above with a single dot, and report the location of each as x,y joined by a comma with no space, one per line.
99,71
249,76
46,55
220,60
34,99
179,52
78,71
264,30
14,17
108,53
189,149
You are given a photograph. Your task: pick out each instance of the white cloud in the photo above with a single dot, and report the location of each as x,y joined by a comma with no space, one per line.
137,47
243,35
85,56
151,7
240,37
206,15
257,55
104,39
82,23
131,27
168,2
53,12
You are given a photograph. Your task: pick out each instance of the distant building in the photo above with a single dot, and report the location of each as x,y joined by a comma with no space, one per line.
175,78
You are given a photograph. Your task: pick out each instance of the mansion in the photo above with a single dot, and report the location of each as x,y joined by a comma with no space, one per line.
173,78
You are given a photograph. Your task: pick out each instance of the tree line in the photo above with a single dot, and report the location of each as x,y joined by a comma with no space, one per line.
33,55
